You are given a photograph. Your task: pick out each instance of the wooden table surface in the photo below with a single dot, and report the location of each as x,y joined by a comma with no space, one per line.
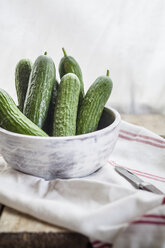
23,231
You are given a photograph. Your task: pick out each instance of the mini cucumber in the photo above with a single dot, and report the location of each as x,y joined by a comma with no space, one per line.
93,104
12,119
69,65
66,106
22,73
41,81
48,125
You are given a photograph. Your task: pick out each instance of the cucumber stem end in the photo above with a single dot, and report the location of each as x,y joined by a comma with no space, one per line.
107,73
45,53
64,52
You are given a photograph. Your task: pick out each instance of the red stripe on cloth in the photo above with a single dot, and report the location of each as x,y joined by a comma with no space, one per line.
148,222
163,202
154,216
138,171
153,177
141,141
99,244
142,136
96,242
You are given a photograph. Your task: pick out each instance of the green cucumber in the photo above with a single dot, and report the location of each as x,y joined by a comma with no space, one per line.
12,119
93,104
22,73
41,81
66,106
69,65
48,126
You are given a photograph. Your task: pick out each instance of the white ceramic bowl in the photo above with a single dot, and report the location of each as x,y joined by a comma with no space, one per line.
62,157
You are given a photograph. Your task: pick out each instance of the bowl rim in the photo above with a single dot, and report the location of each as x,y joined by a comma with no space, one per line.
80,136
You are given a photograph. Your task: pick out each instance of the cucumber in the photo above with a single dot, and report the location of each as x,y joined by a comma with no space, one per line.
48,126
41,81
12,119
65,114
93,104
22,73
69,65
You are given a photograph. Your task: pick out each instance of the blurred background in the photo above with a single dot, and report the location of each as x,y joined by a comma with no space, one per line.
125,36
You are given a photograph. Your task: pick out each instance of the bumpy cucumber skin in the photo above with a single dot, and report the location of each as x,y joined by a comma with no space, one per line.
41,81
12,119
69,65
22,73
93,105
66,106
48,125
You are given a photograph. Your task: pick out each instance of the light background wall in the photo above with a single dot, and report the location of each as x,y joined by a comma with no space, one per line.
126,36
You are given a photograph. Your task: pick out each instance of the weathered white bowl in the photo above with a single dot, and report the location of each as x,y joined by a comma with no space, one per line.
62,157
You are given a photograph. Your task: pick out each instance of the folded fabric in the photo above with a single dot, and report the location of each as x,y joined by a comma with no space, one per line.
103,206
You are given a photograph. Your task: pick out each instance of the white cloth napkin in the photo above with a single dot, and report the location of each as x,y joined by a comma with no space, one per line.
103,206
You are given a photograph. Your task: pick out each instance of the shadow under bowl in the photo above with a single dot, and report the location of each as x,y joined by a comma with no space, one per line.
62,157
